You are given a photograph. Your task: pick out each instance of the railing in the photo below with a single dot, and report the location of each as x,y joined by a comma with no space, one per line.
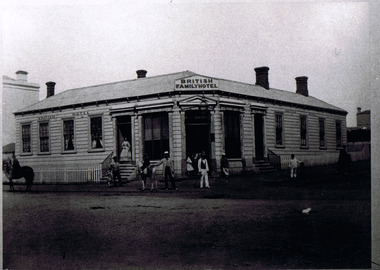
274,159
104,165
67,175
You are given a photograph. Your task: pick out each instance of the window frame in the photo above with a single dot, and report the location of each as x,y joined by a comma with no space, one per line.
164,136
322,146
40,152
90,139
63,136
306,134
277,145
22,153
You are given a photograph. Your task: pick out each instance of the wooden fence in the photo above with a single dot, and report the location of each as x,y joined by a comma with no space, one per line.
67,175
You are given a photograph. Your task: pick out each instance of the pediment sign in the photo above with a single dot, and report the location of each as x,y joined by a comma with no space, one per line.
197,101
196,83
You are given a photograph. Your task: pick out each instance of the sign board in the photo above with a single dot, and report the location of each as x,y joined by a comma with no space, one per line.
196,83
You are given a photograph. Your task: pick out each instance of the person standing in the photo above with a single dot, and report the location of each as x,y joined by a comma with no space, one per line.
293,165
146,172
125,154
167,170
203,168
225,167
189,166
15,166
114,167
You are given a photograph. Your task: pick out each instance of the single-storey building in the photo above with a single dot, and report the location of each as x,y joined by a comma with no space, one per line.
183,113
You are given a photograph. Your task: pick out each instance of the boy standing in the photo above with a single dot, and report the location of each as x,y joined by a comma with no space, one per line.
293,165
115,168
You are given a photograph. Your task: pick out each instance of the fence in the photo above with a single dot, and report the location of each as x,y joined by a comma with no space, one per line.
67,175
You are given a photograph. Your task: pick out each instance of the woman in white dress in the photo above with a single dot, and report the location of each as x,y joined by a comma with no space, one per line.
125,154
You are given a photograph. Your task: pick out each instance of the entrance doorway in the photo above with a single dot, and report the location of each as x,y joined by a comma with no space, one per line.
259,137
197,132
124,131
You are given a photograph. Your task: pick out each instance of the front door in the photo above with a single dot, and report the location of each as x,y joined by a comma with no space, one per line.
197,132
124,140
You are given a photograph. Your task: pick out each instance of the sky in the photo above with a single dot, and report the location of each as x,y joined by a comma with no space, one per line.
82,43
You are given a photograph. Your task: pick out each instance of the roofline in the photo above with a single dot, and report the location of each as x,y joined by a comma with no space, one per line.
187,92
135,79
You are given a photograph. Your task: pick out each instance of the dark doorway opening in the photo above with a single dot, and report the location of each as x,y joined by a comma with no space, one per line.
124,132
259,137
197,132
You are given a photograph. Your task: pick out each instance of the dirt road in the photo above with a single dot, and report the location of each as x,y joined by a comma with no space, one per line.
188,230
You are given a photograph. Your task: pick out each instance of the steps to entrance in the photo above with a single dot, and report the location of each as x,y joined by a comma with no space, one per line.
127,171
264,167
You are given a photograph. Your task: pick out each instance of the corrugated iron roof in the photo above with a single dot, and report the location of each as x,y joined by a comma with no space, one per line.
162,84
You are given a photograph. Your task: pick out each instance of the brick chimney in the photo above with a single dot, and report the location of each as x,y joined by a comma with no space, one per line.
359,109
22,75
302,86
262,77
141,73
50,89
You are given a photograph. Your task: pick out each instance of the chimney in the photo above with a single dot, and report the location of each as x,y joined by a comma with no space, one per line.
302,86
50,89
262,77
141,73
22,75
359,110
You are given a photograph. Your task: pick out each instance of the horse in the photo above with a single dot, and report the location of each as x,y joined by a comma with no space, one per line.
20,172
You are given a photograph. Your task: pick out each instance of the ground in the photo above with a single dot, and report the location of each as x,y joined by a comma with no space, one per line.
251,222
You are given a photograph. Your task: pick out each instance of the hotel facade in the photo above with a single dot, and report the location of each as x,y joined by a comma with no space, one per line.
183,113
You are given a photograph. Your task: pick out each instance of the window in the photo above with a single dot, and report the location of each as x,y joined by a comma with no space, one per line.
232,134
322,140
26,139
156,134
279,129
338,131
96,132
68,135
303,131
44,138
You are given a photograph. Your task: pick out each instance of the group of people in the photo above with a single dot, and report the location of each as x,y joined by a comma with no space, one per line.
147,170
202,169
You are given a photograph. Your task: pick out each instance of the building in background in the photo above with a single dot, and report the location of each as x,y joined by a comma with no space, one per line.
17,94
184,113
359,137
